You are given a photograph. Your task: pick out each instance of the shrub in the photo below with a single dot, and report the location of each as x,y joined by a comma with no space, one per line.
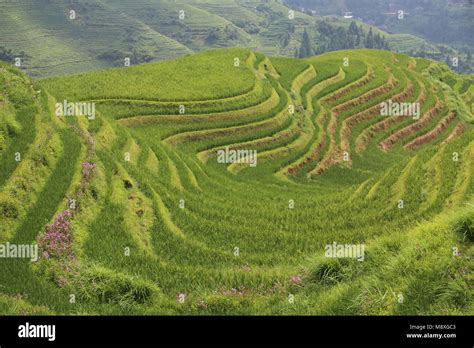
8,209
465,226
39,158
455,292
329,271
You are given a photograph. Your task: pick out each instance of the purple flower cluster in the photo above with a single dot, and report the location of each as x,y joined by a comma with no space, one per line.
87,170
56,241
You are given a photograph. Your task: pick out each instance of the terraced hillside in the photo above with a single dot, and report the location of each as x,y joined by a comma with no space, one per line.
54,37
134,211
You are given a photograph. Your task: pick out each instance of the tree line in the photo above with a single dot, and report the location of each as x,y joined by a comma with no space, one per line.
7,55
333,38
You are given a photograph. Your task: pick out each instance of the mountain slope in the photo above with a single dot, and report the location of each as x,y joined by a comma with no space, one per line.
442,21
106,32
57,44
438,29
163,222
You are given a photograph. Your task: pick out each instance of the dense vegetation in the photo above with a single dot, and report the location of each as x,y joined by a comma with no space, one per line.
446,25
133,213
334,38
442,21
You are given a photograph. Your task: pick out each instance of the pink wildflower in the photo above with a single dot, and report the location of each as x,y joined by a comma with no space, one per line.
296,279
56,241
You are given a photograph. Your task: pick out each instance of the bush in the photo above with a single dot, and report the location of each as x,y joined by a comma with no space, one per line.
456,292
8,209
465,226
39,158
329,271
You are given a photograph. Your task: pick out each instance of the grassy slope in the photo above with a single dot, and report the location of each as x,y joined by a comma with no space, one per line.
182,219
59,45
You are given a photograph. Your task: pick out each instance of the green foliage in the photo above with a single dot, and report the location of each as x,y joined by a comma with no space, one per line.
162,219
465,227
105,286
438,21
305,48
328,272
8,209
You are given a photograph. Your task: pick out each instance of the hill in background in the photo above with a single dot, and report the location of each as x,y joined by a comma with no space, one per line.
439,21
51,40
446,25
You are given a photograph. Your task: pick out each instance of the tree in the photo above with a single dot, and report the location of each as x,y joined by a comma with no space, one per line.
285,39
369,42
212,36
353,30
305,48
291,27
378,41
353,38
7,55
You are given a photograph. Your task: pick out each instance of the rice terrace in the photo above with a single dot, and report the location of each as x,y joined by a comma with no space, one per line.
234,182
